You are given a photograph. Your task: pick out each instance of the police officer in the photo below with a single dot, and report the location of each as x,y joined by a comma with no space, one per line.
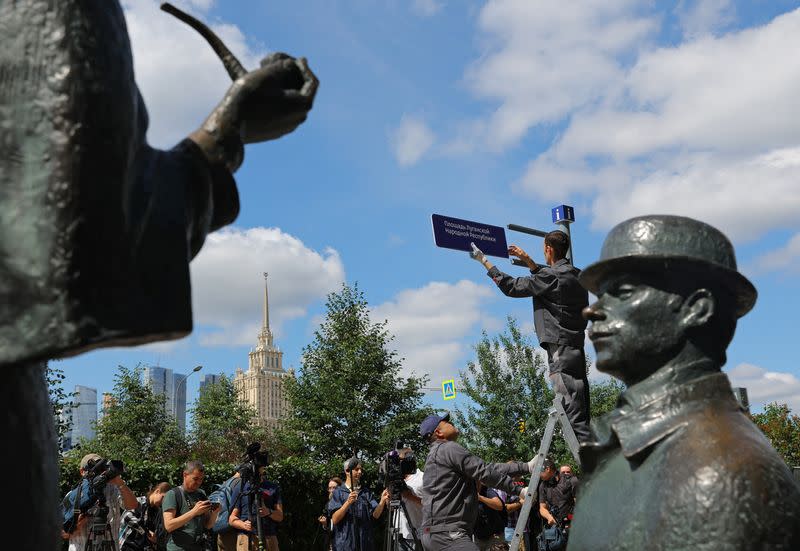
558,299
449,491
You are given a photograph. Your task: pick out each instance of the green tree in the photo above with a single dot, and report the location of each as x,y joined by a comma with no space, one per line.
349,397
60,402
222,424
782,428
506,385
135,425
603,396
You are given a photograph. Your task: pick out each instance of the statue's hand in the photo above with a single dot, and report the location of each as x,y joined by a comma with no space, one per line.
274,99
260,105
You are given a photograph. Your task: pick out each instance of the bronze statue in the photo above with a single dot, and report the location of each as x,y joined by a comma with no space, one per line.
677,465
97,228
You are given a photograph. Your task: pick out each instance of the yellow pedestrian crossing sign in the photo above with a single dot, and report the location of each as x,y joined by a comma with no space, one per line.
449,389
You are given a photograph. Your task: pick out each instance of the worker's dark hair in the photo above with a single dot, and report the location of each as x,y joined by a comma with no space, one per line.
559,241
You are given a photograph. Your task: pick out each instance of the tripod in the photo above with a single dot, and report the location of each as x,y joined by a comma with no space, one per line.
100,537
393,535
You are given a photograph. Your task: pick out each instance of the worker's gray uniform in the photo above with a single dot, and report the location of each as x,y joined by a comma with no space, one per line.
558,302
450,497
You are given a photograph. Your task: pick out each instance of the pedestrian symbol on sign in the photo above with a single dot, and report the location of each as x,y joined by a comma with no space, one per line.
449,389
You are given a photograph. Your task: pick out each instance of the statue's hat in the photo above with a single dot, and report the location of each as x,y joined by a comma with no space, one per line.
665,243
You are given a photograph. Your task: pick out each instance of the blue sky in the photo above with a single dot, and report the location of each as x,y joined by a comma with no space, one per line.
490,111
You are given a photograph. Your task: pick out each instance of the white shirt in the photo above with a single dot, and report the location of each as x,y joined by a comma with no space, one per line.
77,540
414,483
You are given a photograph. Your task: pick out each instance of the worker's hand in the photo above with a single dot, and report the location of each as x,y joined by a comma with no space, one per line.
513,250
352,497
385,496
532,465
477,254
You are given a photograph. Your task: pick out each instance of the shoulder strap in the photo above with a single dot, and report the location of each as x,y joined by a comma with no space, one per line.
180,497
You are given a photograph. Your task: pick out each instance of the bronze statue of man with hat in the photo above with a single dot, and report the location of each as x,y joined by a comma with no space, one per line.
677,465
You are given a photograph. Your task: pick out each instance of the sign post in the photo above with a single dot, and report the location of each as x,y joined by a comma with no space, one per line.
564,215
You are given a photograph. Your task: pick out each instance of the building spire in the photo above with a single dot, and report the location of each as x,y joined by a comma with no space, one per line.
266,302
265,335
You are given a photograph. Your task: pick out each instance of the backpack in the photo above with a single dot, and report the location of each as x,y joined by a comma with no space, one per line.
551,539
223,494
85,495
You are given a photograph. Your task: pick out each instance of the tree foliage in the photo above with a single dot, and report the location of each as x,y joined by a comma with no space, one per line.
349,397
603,396
506,385
60,402
222,424
136,425
782,428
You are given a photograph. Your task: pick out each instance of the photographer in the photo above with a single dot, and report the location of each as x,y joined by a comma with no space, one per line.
143,525
352,511
266,497
117,497
412,499
188,512
450,495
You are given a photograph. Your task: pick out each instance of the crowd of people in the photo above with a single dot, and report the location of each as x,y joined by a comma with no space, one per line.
477,502
238,516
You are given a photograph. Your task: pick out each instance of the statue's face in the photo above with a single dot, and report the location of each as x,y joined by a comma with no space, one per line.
636,327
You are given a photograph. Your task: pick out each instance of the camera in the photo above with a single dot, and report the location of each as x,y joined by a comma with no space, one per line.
254,460
100,471
394,468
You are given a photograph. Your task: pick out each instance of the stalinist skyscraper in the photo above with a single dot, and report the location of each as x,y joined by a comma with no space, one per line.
262,385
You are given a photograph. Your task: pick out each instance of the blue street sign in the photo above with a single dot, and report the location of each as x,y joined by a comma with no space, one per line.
455,233
449,389
563,214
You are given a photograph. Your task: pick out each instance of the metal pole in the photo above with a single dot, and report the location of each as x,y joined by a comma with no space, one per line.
564,226
175,391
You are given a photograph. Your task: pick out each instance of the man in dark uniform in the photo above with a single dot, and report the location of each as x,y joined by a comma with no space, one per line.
677,465
558,300
449,491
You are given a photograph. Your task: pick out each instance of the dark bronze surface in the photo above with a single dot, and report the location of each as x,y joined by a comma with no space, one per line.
677,465
97,228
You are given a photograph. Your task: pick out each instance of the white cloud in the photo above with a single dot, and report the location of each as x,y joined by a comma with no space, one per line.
785,258
765,386
431,323
742,197
427,8
542,61
704,129
228,286
180,77
411,140
701,17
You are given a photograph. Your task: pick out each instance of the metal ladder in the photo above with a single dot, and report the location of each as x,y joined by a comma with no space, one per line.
555,415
